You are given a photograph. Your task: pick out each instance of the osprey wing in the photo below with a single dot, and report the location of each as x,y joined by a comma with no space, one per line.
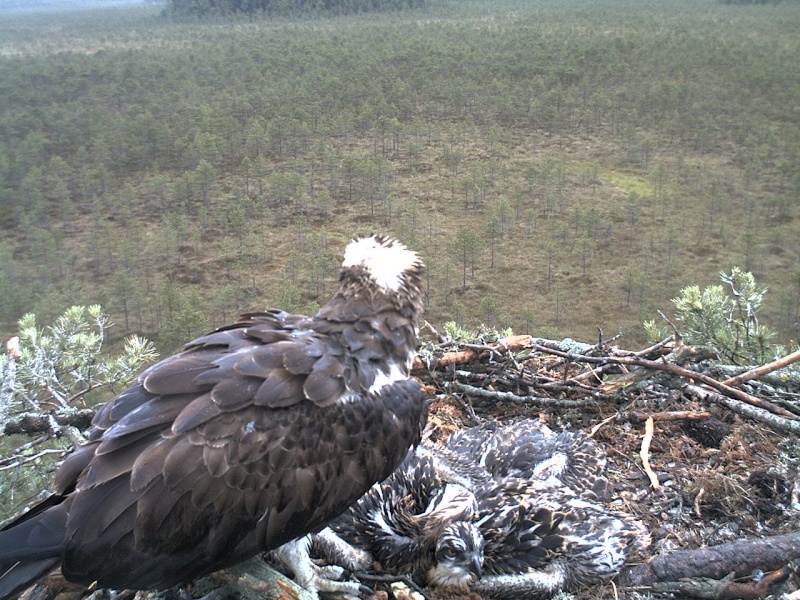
245,439
240,443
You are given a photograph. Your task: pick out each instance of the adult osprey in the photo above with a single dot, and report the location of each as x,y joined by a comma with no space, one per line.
247,438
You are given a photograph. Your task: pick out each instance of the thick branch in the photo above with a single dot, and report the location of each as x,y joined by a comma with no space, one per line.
723,589
777,422
251,580
716,562
764,369
679,355
778,379
30,423
256,580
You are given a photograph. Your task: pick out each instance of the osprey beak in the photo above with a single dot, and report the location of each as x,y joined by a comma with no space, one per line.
475,566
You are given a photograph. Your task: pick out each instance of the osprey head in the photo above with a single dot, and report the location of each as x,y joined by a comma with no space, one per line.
458,558
390,265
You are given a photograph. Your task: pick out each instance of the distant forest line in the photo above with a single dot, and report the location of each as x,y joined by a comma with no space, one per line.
287,7
62,5
562,167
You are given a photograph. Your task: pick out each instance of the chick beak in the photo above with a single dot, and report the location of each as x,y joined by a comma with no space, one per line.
475,566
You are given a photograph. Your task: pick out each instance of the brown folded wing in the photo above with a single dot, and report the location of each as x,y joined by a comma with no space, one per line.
241,442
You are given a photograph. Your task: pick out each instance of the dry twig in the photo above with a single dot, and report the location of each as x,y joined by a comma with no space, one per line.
645,453
676,370
514,398
673,415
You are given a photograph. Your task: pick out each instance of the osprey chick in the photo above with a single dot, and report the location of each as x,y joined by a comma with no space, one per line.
491,510
527,449
247,438
540,514
539,541
412,520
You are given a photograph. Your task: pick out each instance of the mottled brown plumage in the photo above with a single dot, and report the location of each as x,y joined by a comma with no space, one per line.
527,449
249,437
400,520
491,510
539,541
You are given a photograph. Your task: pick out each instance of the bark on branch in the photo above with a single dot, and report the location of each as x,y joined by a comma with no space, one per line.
764,369
774,421
716,562
30,423
723,589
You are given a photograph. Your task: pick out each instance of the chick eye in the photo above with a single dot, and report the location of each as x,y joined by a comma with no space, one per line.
449,553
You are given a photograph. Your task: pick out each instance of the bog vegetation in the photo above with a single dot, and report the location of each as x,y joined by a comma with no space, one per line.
561,166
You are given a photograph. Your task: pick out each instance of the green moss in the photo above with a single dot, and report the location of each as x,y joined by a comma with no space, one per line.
629,183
